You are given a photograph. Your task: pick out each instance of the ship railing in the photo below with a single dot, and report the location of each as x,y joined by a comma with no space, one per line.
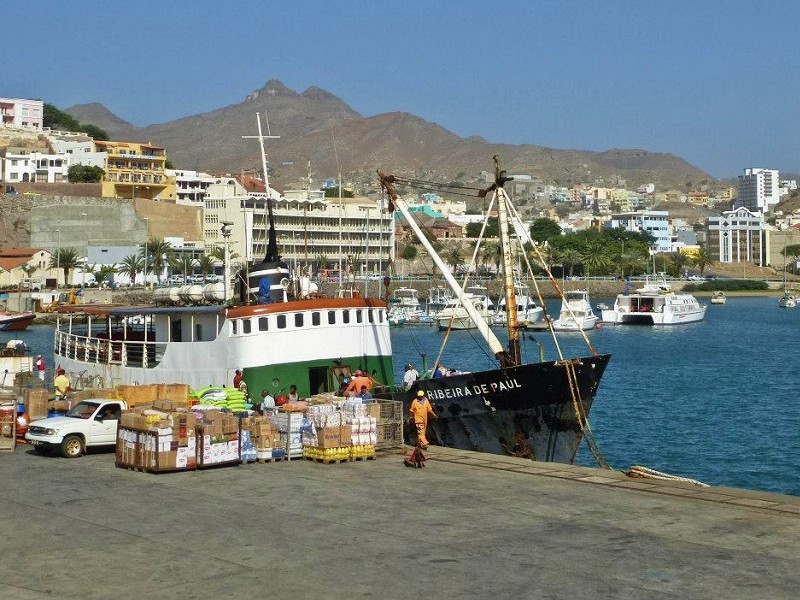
125,353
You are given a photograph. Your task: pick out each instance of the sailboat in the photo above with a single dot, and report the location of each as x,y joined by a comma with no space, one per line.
533,409
788,300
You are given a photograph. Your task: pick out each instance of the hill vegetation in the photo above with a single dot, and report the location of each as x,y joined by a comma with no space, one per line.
57,119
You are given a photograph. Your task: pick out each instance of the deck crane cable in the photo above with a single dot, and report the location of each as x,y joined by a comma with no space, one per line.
463,287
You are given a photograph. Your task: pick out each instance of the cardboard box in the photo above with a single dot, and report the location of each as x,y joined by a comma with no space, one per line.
374,410
36,403
132,420
345,435
168,460
330,437
230,425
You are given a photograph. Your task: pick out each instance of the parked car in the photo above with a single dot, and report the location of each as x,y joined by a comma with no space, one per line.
87,424
196,279
176,280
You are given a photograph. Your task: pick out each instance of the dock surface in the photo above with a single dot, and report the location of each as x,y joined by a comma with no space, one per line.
468,525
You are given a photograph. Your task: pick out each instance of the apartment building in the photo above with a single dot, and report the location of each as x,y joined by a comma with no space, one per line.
737,236
134,170
79,147
654,222
21,165
306,230
759,190
191,187
21,113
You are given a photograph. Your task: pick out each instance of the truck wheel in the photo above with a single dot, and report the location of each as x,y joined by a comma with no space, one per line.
72,446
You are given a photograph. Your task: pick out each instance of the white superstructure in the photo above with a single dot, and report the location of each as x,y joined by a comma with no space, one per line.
576,312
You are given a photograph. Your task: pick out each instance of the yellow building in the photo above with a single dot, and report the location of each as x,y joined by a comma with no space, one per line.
698,198
136,171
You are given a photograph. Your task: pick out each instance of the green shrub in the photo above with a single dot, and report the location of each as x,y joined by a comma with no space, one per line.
728,285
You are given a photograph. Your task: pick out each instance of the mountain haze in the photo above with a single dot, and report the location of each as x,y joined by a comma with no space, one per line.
317,126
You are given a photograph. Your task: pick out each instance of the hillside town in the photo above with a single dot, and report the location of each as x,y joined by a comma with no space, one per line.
322,227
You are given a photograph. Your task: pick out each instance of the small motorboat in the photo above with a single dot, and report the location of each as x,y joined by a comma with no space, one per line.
718,298
15,321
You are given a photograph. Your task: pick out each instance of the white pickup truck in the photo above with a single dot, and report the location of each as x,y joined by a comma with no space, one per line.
89,423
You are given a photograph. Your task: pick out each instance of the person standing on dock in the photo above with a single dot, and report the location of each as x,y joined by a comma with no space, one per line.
420,409
41,367
62,384
237,379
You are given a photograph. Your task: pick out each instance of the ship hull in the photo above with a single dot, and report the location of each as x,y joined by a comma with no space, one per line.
16,321
524,411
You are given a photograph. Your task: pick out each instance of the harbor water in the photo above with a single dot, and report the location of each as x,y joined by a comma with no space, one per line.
715,400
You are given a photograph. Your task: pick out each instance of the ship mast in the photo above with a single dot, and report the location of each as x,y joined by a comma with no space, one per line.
269,224
387,181
514,354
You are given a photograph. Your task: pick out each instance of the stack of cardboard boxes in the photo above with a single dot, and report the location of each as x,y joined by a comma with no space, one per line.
157,438
218,439
265,437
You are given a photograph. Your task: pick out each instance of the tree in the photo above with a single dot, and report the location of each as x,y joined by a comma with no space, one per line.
168,164
569,258
57,119
595,260
455,257
679,260
183,264
103,273
702,260
492,228
94,132
29,269
131,266
630,263
158,253
334,192
206,264
409,252
65,259
85,174
543,229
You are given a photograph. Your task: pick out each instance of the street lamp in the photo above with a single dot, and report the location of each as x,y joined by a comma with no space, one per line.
58,257
146,235
226,234
86,260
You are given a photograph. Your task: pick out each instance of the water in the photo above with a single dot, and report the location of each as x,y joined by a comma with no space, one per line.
715,400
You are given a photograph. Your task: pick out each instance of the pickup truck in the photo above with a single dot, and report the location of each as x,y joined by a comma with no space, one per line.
91,422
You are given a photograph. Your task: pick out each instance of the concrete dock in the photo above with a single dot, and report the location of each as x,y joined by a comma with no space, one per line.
466,526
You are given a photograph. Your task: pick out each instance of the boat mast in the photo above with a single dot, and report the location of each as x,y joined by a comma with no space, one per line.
269,224
514,354
491,339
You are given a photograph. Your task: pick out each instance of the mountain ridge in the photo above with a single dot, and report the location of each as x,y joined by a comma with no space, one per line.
319,127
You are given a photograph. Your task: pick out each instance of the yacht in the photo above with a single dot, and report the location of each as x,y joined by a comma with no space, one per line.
405,308
455,316
576,313
654,304
527,309
787,300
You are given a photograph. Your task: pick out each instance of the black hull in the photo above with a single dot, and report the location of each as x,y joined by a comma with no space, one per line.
523,411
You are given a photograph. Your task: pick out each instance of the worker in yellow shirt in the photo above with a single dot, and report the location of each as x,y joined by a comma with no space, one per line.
420,409
62,384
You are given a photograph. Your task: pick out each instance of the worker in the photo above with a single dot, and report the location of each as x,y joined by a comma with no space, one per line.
267,402
365,394
410,376
293,395
62,384
439,371
420,409
237,379
41,367
361,379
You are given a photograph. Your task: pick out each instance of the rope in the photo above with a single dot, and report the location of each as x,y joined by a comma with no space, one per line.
647,473
583,420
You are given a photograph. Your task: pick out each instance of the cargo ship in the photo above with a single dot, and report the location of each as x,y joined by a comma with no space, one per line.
538,409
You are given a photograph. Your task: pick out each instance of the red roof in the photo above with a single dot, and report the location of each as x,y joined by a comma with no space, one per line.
251,184
11,258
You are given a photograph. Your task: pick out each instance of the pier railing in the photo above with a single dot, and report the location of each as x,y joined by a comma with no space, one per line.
126,353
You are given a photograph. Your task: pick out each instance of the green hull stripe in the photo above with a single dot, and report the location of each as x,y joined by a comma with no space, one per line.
277,378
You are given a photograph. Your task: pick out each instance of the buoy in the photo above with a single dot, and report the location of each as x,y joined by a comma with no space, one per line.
599,325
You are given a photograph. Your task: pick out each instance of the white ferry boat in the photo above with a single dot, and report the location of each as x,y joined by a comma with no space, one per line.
654,304
576,313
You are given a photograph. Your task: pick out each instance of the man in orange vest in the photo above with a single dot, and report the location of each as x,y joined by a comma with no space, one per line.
420,409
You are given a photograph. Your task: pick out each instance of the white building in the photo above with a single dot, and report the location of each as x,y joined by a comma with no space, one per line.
192,186
78,147
759,190
26,165
737,236
654,222
306,230
21,113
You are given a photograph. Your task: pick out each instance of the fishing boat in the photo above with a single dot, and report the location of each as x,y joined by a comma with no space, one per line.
15,321
533,409
455,316
576,313
281,334
655,303
405,308
718,298
528,312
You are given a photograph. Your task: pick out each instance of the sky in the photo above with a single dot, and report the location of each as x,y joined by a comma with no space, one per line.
714,82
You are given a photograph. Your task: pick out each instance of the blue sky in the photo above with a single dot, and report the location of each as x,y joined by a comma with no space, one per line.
712,82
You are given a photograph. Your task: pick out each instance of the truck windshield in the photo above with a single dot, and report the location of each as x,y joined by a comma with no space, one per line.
83,410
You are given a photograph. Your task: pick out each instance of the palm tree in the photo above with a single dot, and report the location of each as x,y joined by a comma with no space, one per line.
569,257
206,264
183,264
679,260
29,269
103,273
494,253
158,253
702,260
65,259
131,265
455,257
631,262
594,259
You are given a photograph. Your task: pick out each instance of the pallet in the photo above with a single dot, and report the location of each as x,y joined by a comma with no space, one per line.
271,460
357,458
327,461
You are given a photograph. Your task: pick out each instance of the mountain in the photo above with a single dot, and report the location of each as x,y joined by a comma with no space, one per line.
320,127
